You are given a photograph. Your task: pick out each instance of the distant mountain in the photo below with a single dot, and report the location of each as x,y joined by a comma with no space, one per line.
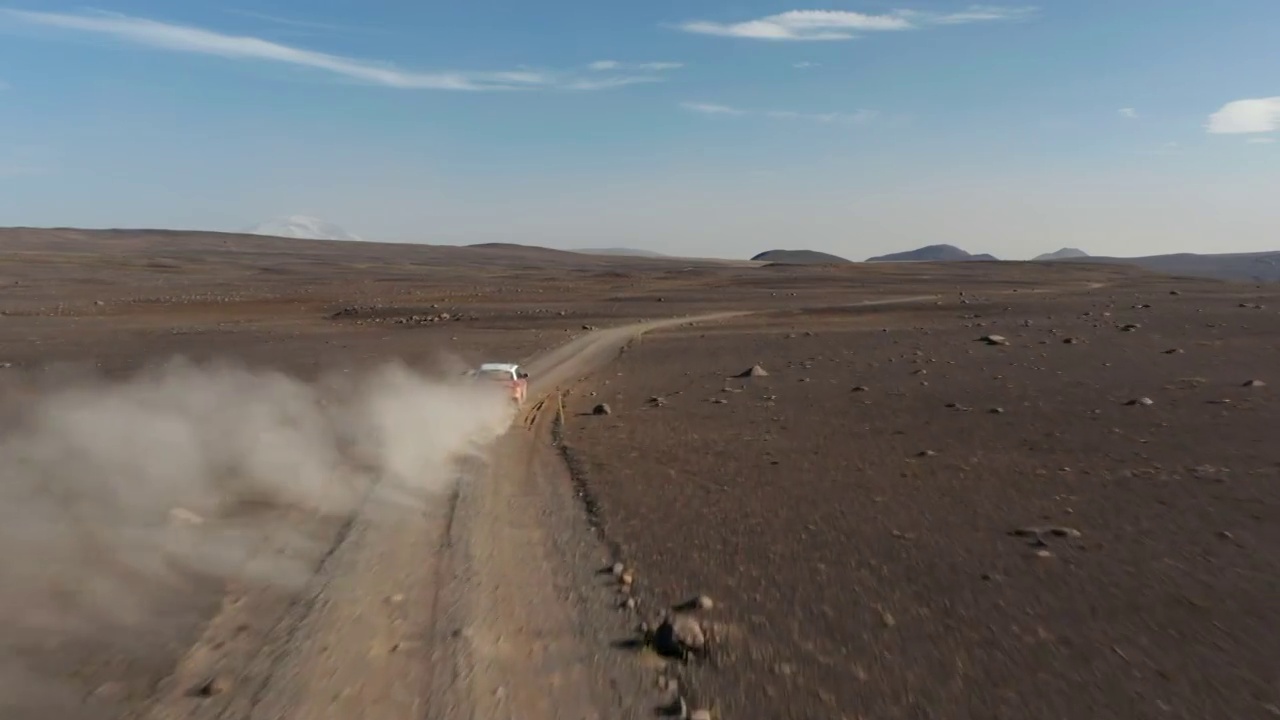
302,228
628,252
932,253
1249,267
1063,254
799,257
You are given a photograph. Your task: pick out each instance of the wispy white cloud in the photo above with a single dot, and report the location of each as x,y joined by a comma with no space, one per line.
1253,115
606,65
974,14
819,25
288,22
858,117
711,108
1128,113
1261,140
188,39
608,83
805,65
4,85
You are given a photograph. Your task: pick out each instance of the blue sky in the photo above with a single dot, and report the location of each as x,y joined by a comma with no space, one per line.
714,127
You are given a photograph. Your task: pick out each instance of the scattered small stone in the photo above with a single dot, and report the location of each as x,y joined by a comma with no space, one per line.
627,578
1044,554
994,340
753,371
617,569
602,409
860,388
1174,351
1254,383
679,635
719,401
1130,327
1038,532
215,685
926,453
677,709
1070,341
1226,535
996,411
1145,401
630,603
705,603
588,327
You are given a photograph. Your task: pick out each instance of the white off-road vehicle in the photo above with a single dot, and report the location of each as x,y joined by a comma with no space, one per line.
508,375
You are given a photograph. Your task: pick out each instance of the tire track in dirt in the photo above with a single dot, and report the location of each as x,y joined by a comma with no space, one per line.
530,638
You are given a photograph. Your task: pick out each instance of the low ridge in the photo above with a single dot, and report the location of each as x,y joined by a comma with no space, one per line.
932,253
800,257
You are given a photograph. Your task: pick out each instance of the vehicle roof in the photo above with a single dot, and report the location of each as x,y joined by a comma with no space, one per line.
499,367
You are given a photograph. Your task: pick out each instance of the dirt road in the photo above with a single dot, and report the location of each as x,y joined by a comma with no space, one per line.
455,606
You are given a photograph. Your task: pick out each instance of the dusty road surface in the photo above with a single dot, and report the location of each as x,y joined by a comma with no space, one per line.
309,518
452,605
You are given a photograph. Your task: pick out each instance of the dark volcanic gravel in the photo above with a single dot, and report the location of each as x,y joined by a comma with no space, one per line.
980,531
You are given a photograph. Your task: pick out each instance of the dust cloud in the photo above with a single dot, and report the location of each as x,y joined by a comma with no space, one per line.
118,496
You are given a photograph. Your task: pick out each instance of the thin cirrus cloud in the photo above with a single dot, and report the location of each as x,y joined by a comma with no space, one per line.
1128,113
289,22
856,117
187,39
818,25
1252,115
607,65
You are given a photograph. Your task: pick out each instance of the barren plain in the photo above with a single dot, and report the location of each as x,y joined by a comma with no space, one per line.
899,519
